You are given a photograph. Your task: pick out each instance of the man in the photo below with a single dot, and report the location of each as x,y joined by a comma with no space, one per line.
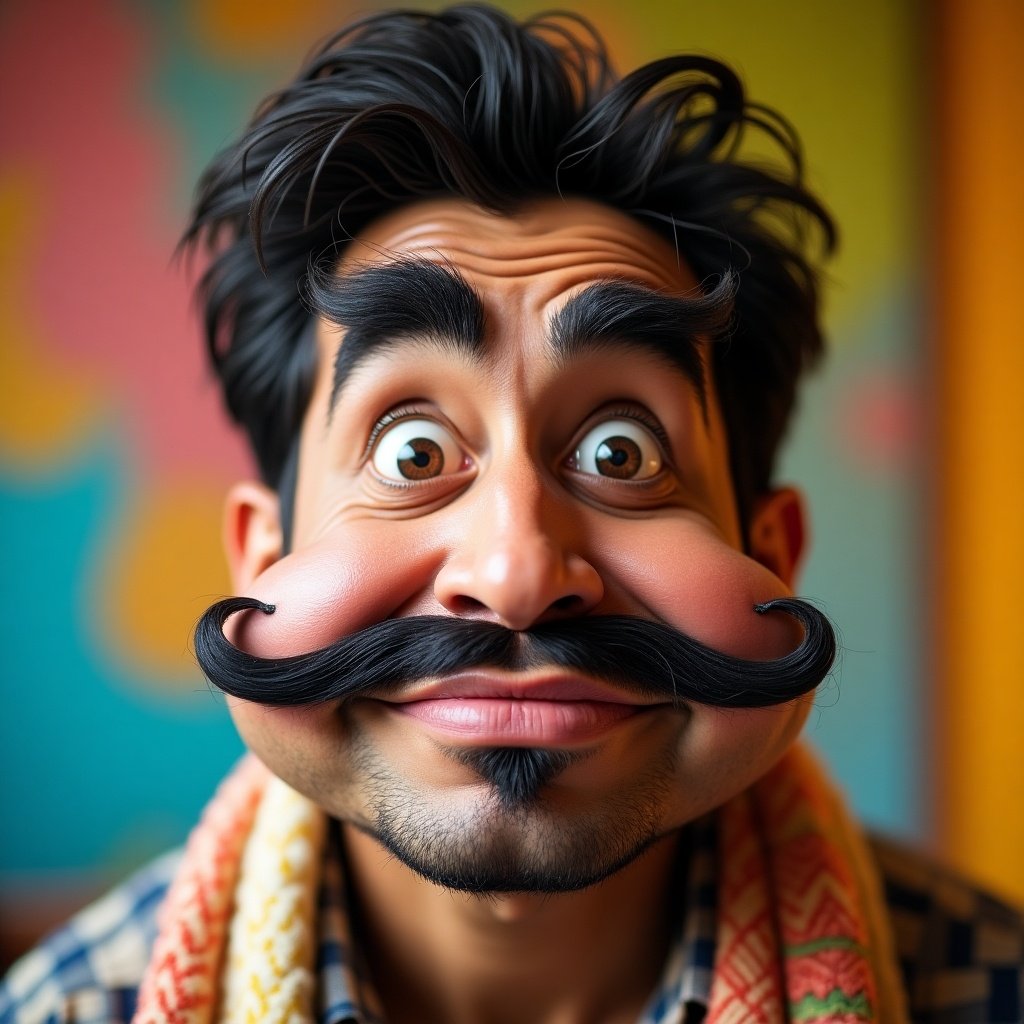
515,646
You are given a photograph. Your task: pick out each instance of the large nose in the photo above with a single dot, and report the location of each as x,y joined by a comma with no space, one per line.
517,562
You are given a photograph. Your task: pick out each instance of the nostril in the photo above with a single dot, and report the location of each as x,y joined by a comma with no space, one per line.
462,604
570,602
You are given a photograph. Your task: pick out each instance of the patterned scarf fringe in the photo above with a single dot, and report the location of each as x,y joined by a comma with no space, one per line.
802,933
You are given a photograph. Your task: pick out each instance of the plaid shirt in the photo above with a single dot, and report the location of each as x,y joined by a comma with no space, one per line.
961,951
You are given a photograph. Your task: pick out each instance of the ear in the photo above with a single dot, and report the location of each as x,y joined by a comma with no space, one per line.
252,535
777,532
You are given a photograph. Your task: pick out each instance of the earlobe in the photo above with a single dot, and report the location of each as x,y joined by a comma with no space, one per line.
252,535
777,532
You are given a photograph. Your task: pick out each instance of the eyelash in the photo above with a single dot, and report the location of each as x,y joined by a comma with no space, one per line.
645,419
393,416
626,412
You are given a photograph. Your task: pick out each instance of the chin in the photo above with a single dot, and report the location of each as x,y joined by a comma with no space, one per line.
494,848
518,822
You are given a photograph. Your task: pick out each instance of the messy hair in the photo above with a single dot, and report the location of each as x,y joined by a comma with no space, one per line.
405,105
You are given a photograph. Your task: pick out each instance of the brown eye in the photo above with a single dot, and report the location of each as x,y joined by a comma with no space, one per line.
416,449
620,450
420,459
619,457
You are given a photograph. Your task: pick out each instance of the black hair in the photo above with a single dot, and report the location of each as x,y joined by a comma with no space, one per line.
406,105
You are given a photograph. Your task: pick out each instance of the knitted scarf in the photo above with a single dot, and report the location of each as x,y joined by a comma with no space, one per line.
802,934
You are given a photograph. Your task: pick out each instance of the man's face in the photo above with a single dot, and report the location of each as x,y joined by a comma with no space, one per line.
518,477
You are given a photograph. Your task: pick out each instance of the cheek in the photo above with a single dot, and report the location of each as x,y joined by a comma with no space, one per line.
340,584
686,575
306,747
744,742
277,734
724,751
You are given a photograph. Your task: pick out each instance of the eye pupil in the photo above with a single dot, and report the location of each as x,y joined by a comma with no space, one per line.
619,457
420,459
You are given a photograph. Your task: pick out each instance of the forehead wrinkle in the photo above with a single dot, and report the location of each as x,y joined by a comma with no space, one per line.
540,222
535,257
491,249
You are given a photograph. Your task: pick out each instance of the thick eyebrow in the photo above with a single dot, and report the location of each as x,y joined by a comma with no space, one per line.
672,327
408,300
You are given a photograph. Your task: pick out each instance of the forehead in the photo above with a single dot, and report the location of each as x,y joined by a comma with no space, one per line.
529,261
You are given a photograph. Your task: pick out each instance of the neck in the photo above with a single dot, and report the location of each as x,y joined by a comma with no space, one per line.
440,956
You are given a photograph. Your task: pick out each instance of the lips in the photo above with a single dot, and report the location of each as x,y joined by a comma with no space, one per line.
485,709
480,685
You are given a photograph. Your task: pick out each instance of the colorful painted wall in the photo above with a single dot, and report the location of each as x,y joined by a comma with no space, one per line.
114,454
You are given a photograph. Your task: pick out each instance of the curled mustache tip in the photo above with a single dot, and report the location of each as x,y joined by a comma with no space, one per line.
224,609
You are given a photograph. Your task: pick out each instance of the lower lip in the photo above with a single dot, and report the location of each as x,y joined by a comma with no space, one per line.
504,722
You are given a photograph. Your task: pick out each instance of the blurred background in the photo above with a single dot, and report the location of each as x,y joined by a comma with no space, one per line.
114,453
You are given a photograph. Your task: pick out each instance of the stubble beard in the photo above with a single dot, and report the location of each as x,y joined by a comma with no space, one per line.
515,835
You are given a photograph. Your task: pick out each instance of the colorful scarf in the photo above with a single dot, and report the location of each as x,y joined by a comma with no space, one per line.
802,932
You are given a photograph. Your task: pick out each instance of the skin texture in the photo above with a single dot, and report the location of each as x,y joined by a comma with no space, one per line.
515,530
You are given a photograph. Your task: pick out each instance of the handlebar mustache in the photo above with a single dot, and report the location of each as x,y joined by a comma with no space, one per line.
643,657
